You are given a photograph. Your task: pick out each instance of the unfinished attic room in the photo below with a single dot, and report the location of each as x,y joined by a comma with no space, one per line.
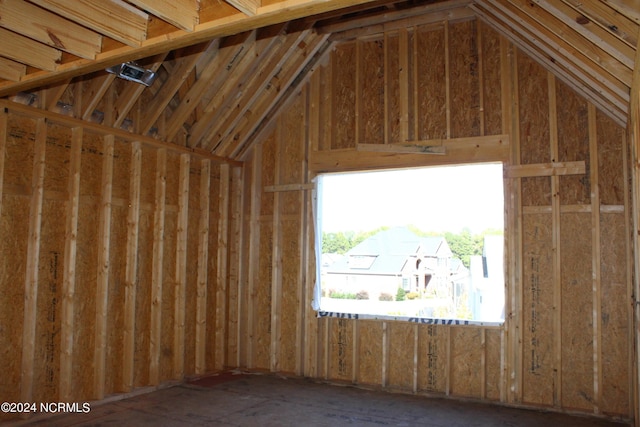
166,256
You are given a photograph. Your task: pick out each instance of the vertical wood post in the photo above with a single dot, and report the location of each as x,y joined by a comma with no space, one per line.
33,257
158,258
222,262
69,275
596,260
203,262
102,291
180,278
131,268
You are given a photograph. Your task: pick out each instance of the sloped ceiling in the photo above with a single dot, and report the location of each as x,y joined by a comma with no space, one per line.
224,68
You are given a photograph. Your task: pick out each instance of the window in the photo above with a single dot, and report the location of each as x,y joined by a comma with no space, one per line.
424,244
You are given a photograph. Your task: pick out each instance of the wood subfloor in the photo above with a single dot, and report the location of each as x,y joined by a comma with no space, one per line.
268,400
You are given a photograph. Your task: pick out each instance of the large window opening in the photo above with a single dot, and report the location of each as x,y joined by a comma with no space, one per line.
425,244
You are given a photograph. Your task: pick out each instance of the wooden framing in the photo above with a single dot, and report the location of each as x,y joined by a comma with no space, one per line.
203,255
131,273
102,291
157,272
234,239
33,255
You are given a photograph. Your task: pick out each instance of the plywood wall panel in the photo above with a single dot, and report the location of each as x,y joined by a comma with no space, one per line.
400,354
431,82
491,83
121,170
615,317
577,306
290,296
85,290
432,358
143,294
344,96
466,362
18,165
168,297
14,229
392,91
573,144
370,352
116,298
372,86
341,348
493,364
56,172
610,158
533,120
464,79
50,277
262,297
537,310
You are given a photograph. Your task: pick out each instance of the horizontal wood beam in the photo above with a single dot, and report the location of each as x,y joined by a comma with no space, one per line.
486,149
545,169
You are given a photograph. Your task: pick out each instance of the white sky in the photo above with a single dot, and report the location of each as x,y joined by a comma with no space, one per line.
433,199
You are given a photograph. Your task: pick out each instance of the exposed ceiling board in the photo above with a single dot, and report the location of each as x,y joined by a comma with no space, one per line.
131,33
226,68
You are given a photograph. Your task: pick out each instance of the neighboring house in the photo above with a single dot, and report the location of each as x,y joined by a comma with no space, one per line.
487,281
394,258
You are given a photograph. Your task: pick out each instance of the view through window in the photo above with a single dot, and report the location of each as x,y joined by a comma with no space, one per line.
424,243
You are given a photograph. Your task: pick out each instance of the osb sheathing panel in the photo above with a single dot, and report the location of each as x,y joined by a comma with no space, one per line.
262,299
610,158
344,96
370,352
431,82
432,358
341,348
466,358
168,297
371,93
392,93
537,310
615,317
534,128
401,338
18,165
490,67
464,79
493,346
50,277
291,157
116,301
14,229
577,311
290,295
573,144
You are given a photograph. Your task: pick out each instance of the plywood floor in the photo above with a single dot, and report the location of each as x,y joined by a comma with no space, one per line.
267,400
